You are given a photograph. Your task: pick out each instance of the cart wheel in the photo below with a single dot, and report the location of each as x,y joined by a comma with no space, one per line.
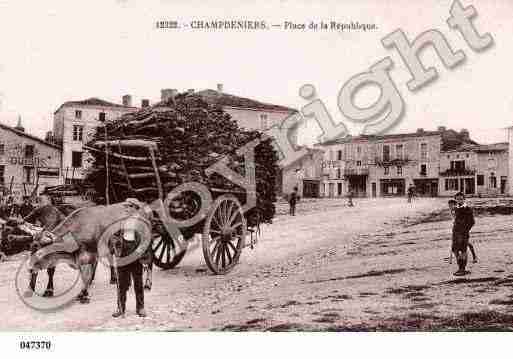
166,252
223,234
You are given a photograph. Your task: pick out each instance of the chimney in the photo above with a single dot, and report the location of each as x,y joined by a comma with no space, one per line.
166,94
127,100
145,103
219,87
441,129
420,130
190,91
19,126
465,134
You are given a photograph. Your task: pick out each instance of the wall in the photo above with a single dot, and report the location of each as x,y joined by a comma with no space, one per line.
46,158
251,119
498,166
65,119
307,168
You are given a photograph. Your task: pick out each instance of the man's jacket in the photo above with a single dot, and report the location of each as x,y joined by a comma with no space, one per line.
464,220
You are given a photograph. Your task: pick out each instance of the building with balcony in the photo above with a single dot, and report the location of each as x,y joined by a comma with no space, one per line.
475,170
386,165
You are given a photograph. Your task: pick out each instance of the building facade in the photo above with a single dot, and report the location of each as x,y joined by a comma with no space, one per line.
304,174
375,166
27,163
248,113
440,162
74,123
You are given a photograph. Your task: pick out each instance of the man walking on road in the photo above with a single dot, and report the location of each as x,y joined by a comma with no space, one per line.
463,222
292,201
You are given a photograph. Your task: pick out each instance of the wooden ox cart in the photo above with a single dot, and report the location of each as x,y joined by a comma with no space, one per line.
224,229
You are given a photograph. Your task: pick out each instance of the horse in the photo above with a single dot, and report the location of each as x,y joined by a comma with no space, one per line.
87,227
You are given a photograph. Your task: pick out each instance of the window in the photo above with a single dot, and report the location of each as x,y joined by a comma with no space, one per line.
448,156
76,159
358,163
423,151
493,180
480,180
399,152
358,150
387,170
78,132
492,163
423,169
399,170
2,175
27,174
386,153
102,117
2,149
339,155
29,151
451,184
264,121
339,189
339,173
458,166
78,114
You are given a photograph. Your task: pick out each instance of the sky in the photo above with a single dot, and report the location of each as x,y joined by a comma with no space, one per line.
57,51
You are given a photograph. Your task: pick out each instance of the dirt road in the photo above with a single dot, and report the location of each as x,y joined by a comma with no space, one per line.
381,265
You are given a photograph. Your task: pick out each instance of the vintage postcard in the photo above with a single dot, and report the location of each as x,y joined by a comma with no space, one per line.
293,165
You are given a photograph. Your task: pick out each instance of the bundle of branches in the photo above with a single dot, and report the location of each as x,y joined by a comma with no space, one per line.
190,136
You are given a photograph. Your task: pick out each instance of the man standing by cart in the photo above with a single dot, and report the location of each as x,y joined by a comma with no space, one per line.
126,243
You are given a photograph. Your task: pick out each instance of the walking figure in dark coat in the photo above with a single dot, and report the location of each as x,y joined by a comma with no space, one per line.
293,198
463,222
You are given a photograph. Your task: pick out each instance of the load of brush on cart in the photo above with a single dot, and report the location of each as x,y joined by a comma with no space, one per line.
190,136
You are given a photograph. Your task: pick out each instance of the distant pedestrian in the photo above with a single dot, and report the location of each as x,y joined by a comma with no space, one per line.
293,198
411,193
350,196
463,223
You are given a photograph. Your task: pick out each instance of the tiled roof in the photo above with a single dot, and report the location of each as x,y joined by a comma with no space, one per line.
501,146
394,136
223,99
451,139
24,134
93,101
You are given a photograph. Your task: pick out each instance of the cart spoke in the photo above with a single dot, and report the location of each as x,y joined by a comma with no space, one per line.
222,255
216,248
158,244
233,216
227,248
169,253
236,225
218,254
233,247
162,252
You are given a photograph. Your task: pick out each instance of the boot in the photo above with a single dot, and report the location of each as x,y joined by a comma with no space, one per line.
141,312
119,313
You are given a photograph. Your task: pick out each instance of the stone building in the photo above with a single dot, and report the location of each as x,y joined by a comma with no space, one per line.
386,165
27,161
73,124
